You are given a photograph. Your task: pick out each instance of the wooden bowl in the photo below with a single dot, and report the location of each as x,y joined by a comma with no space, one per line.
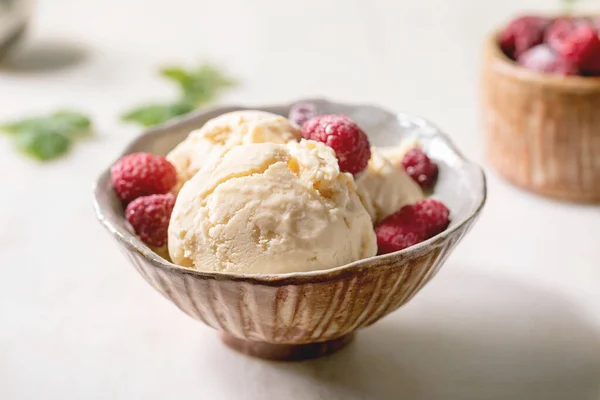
304,315
542,131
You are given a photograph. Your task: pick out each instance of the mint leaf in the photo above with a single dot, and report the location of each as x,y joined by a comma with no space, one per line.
43,146
50,136
154,114
22,125
177,74
201,85
197,87
65,122
72,123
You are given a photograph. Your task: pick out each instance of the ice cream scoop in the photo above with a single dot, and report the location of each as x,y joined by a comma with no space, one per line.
271,208
385,188
395,154
223,133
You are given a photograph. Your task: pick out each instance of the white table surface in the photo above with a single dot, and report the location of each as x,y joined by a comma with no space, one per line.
514,313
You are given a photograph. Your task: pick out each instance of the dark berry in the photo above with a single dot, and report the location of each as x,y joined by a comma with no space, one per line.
302,112
522,34
420,168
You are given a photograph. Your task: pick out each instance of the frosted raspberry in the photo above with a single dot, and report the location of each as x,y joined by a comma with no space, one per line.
302,112
432,215
142,174
349,142
412,224
580,46
559,29
522,34
149,216
420,168
542,59
399,231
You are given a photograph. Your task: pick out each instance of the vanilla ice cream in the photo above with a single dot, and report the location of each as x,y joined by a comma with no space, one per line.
270,208
385,188
223,133
395,154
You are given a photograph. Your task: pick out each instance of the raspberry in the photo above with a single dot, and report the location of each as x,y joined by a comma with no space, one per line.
339,132
420,168
580,46
522,34
149,216
142,174
302,112
411,225
433,215
558,30
541,58
399,231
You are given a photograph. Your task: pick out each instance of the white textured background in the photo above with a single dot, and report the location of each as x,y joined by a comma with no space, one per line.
514,314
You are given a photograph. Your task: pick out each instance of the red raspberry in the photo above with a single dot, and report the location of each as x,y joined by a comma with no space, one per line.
581,46
541,58
420,168
522,34
142,174
302,112
399,231
558,30
411,225
349,142
433,215
149,216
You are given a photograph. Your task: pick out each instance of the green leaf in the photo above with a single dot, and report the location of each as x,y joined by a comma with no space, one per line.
177,74
74,124
201,85
64,122
48,137
43,146
154,114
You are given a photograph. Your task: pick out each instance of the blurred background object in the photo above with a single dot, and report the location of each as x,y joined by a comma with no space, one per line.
14,19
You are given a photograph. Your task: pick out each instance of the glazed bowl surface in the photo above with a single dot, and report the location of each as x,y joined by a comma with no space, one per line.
305,314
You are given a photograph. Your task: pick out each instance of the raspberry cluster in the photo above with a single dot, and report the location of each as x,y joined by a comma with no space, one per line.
563,46
143,181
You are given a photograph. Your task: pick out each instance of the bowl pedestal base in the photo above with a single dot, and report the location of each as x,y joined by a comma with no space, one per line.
286,352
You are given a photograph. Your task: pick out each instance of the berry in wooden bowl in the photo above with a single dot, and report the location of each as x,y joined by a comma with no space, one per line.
541,105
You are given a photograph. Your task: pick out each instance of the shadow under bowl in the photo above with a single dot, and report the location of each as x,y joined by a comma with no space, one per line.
309,314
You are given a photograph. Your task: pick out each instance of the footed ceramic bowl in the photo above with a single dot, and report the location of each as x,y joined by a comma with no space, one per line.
307,314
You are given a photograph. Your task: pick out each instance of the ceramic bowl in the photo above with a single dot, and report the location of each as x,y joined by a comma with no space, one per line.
542,131
309,314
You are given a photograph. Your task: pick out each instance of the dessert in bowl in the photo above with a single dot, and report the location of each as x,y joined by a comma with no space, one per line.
333,282
541,96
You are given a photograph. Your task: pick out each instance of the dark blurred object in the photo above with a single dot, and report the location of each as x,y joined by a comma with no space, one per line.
14,17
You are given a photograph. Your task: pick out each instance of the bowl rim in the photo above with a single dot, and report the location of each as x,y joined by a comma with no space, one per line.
133,243
504,65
